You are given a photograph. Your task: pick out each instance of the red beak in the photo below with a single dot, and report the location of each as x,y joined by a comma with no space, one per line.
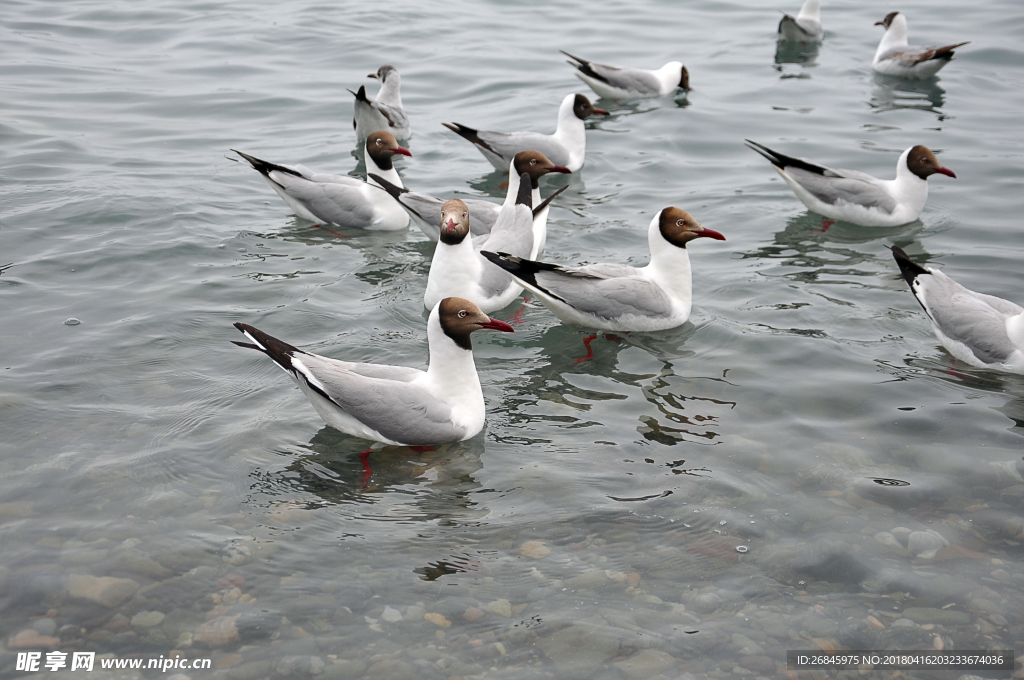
451,223
711,233
560,168
402,150
601,112
496,325
947,172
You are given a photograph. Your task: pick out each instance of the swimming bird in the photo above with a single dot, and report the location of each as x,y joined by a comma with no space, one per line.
425,210
457,264
620,82
806,27
896,57
981,330
395,404
617,297
566,147
857,197
340,199
383,113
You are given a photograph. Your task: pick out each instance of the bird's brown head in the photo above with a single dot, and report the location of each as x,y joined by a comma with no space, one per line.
923,163
583,108
536,165
454,222
678,227
460,317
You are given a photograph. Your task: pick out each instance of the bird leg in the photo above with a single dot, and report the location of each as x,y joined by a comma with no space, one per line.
318,226
590,352
517,318
420,449
364,457
825,224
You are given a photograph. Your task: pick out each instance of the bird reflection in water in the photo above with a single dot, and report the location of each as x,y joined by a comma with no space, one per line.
892,94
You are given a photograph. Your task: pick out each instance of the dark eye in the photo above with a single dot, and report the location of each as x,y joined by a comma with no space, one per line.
679,223
462,313
463,215
533,161
379,142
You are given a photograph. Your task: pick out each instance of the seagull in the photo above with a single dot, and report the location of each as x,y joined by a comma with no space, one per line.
340,199
566,147
857,197
895,57
617,297
425,210
981,330
457,264
383,113
806,27
395,404
617,82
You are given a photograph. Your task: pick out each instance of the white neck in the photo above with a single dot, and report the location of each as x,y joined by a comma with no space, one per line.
670,73
454,270
908,188
810,10
669,266
570,131
371,166
451,373
390,90
513,185
895,35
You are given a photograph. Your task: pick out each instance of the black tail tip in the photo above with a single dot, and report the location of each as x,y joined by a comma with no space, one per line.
908,268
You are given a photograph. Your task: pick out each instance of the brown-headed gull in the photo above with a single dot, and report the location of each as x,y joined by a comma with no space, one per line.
981,330
857,197
340,199
566,147
425,210
457,264
805,27
896,57
617,297
620,82
383,113
395,404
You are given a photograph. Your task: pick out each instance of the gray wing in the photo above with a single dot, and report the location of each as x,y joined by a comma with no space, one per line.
344,204
396,408
508,144
395,115
911,55
799,29
512,234
629,79
482,214
608,291
975,319
844,186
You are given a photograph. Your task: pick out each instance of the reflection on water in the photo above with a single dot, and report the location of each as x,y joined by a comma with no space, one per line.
805,54
891,93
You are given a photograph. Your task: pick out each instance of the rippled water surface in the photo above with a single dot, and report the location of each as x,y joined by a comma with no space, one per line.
802,466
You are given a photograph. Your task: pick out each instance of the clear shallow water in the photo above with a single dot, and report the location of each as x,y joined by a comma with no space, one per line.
592,530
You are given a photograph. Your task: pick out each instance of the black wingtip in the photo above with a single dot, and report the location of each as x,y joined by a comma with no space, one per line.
361,94
525,196
395,191
522,269
278,350
247,345
908,268
504,260
547,201
265,167
581,61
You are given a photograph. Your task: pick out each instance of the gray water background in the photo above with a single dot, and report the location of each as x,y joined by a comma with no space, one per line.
690,502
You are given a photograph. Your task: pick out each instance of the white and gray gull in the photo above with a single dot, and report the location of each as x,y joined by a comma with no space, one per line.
340,199
383,113
457,264
396,404
857,197
566,147
896,57
617,297
621,82
981,330
425,210
805,27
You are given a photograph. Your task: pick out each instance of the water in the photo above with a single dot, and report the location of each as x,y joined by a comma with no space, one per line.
690,502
